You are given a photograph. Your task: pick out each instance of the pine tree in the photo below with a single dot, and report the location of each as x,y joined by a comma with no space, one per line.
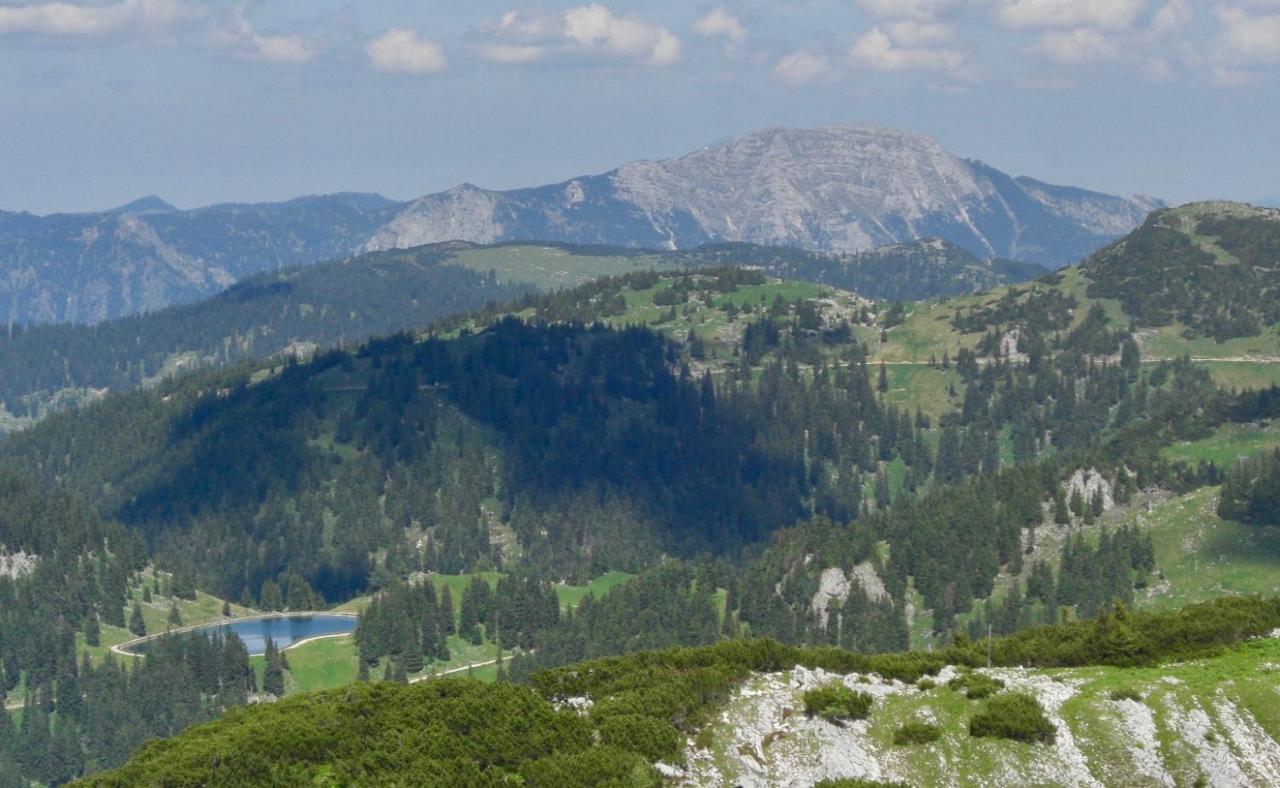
1077,503
175,615
92,629
1061,514
273,674
137,624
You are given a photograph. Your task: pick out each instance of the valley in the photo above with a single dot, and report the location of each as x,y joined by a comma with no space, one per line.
506,459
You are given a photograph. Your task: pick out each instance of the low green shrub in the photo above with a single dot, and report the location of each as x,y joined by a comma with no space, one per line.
1016,716
837,703
916,732
653,738
858,783
976,686
1126,693
924,685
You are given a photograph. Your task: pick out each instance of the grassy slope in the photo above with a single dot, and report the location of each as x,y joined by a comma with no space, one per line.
550,268
1243,363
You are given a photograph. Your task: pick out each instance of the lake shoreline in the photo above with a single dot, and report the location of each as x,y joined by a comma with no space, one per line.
122,649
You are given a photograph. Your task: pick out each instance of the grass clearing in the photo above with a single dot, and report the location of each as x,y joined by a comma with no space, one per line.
1203,556
1229,443
322,663
551,268
571,596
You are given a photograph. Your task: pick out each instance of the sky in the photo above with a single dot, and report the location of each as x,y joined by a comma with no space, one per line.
206,101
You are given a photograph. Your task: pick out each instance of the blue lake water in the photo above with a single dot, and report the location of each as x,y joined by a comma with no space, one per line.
284,630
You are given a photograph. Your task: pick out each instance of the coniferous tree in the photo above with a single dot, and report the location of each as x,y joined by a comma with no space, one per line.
273,673
92,629
137,624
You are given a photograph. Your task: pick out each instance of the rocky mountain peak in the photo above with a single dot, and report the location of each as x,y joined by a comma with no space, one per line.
843,188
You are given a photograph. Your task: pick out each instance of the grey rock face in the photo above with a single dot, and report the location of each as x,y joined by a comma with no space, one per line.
841,188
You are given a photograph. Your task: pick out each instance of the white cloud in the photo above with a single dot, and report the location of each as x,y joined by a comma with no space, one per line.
596,28
1248,37
1076,47
905,9
64,18
584,30
1108,14
404,51
801,66
1171,18
881,49
910,33
185,20
238,35
721,23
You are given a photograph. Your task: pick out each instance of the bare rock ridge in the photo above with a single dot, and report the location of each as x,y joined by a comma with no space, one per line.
840,188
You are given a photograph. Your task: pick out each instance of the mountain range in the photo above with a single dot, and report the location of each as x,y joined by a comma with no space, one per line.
843,188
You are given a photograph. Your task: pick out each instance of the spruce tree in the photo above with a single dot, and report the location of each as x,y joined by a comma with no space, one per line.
92,629
273,674
137,624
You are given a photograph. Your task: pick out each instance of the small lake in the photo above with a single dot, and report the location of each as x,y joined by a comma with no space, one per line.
284,630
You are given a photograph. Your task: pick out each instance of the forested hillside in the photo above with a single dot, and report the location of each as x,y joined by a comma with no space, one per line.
297,310
1214,268
45,368
765,457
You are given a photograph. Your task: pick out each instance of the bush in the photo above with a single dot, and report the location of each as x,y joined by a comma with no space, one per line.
916,732
596,766
976,686
1016,716
924,685
653,738
1126,693
837,703
858,783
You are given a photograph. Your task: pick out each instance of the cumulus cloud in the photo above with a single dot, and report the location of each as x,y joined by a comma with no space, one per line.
405,52
1076,47
183,20
801,66
1172,17
1248,37
1107,14
907,46
905,9
721,23
239,36
64,18
594,30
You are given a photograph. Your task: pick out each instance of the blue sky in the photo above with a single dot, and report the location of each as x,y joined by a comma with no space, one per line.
203,101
